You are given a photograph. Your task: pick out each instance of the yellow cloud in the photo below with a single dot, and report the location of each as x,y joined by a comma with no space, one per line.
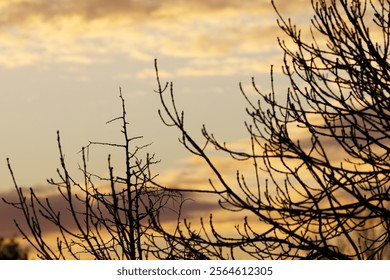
94,31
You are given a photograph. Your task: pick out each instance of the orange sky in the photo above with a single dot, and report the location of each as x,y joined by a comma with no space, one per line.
62,62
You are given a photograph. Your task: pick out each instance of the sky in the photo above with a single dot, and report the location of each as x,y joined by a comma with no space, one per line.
62,63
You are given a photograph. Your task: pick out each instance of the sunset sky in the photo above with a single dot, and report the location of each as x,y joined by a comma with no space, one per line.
62,63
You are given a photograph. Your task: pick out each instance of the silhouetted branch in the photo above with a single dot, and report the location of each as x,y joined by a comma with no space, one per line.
101,222
305,200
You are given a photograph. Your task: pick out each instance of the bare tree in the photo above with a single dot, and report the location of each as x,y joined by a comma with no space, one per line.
105,221
321,157
320,185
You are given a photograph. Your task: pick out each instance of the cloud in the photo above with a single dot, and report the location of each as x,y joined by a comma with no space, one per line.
23,11
86,32
191,173
36,32
18,12
8,214
59,204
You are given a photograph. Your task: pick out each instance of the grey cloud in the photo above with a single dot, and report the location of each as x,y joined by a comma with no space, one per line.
46,9
193,208
18,12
